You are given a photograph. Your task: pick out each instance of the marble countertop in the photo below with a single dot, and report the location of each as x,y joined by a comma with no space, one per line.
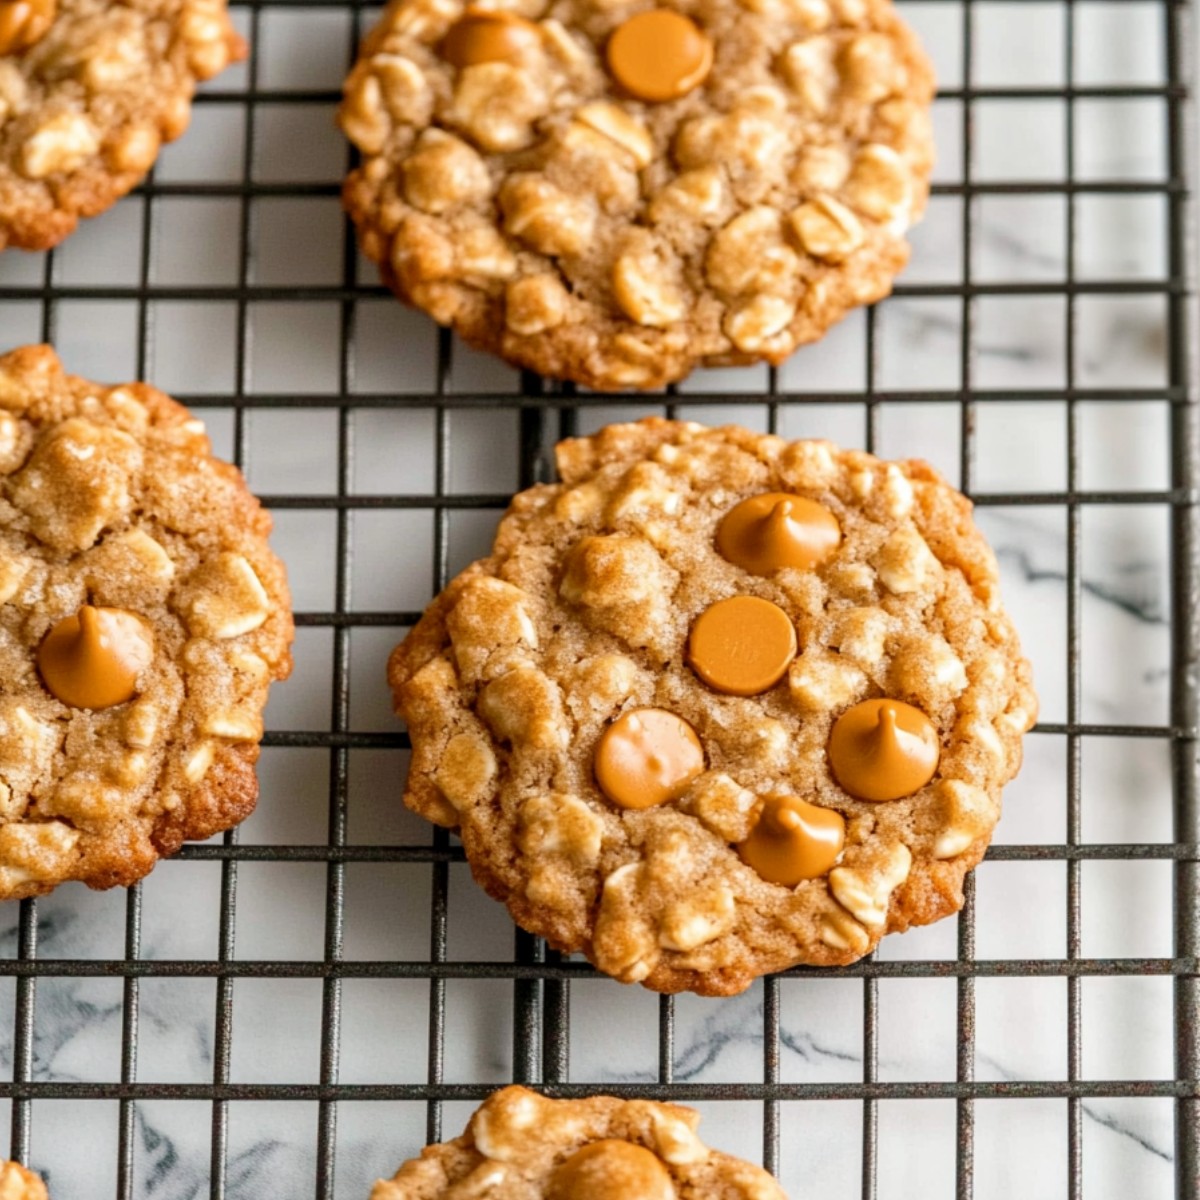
1020,343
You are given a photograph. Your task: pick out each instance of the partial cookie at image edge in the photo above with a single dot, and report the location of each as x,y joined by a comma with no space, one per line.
86,107
19,1183
144,617
519,1145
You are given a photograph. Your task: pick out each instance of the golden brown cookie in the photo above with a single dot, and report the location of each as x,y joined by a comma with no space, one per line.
614,193
680,822
16,1183
142,618
522,1146
89,91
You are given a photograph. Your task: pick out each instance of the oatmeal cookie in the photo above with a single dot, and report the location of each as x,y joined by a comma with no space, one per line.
89,91
16,1183
614,194
719,703
142,618
522,1146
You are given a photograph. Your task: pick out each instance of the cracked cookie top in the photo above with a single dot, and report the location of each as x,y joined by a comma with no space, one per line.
142,618
89,90
613,194
694,800
522,1146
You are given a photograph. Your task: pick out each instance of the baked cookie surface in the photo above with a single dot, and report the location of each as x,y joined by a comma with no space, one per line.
693,801
613,195
142,618
522,1146
89,90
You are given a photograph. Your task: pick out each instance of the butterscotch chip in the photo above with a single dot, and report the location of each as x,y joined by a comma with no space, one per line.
712,184
23,23
659,55
767,533
522,1146
488,36
647,757
793,840
612,1169
143,619
95,658
883,750
89,91
742,646
764,851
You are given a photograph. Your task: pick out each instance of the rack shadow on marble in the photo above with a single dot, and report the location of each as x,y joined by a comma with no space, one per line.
541,980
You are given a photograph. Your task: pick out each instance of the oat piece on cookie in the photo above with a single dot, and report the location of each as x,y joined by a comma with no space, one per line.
17,1183
142,618
614,194
522,1146
718,704
89,91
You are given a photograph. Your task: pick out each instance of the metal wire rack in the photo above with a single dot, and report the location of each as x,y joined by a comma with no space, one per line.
541,981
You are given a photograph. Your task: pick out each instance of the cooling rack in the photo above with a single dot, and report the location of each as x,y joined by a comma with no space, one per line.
230,279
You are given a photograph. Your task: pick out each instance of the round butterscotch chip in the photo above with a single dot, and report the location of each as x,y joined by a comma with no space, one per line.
659,55
742,646
23,23
612,1169
766,533
793,840
632,733
482,36
647,757
94,659
143,618
89,93
883,750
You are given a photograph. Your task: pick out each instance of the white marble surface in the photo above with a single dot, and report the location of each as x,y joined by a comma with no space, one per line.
1020,342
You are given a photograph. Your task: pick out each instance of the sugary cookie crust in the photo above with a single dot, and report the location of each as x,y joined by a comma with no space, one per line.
584,234
84,111
582,612
516,1139
109,496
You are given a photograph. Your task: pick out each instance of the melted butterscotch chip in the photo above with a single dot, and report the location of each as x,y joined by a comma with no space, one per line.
482,36
766,533
793,840
93,659
23,23
659,55
647,757
742,646
611,1169
883,750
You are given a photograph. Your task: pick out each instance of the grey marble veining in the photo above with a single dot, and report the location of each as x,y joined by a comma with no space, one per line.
1018,342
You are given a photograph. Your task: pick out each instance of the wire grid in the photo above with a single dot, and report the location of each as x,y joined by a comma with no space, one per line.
541,979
